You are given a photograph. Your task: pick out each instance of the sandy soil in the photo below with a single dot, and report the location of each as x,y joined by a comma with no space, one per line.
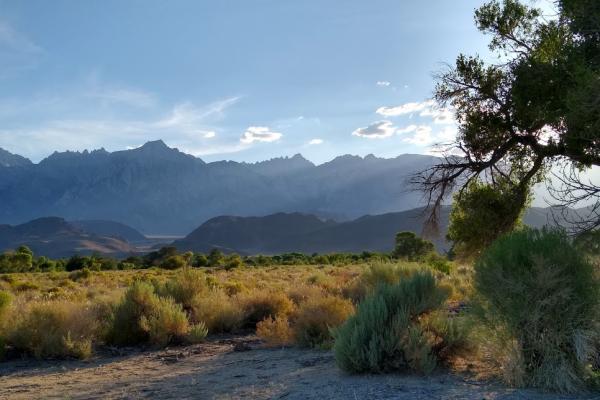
232,368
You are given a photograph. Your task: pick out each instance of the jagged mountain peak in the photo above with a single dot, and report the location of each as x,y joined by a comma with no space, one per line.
8,159
154,145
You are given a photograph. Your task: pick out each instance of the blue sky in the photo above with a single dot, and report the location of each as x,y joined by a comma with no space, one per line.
241,80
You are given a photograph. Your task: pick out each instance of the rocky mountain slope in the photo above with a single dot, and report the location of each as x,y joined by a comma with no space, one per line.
160,190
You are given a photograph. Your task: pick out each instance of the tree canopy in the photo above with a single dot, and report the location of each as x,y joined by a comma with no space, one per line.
535,109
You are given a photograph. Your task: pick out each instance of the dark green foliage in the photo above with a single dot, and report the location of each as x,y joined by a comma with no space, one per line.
482,213
411,247
77,262
168,258
173,262
233,261
215,258
533,109
19,261
538,289
386,334
589,243
199,260
155,258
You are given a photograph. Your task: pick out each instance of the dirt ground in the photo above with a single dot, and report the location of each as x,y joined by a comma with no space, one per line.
233,368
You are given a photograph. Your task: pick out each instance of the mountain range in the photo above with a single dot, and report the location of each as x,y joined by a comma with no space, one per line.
295,232
54,237
161,190
271,234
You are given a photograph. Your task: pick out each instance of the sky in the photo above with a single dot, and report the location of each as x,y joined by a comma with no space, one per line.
238,80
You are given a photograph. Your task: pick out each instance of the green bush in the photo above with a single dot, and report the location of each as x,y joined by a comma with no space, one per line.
185,287
379,274
197,334
144,317
438,262
539,295
167,323
387,334
55,329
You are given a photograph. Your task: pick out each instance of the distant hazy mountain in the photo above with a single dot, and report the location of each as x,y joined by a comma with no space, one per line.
281,233
55,237
109,228
12,160
160,190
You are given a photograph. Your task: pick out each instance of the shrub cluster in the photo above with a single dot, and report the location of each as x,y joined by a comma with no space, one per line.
388,330
539,297
144,317
55,329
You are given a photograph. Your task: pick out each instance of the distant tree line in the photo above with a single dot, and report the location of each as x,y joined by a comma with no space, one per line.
409,247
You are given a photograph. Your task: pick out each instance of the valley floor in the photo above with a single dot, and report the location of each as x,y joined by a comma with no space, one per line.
233,368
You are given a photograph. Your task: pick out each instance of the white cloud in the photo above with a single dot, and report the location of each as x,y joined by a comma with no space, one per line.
408,129
315,141
259,134
383,83
422,136
447,135
377,130
442,116
210,134
426,109
403,109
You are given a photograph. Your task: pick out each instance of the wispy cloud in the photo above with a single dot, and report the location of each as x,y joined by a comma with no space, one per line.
16,41
259,134
383,83
404,109
421,137
185,115
424,135
186,126
426,109
315,142
18,52
408,129
443,116
132,97
376,130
